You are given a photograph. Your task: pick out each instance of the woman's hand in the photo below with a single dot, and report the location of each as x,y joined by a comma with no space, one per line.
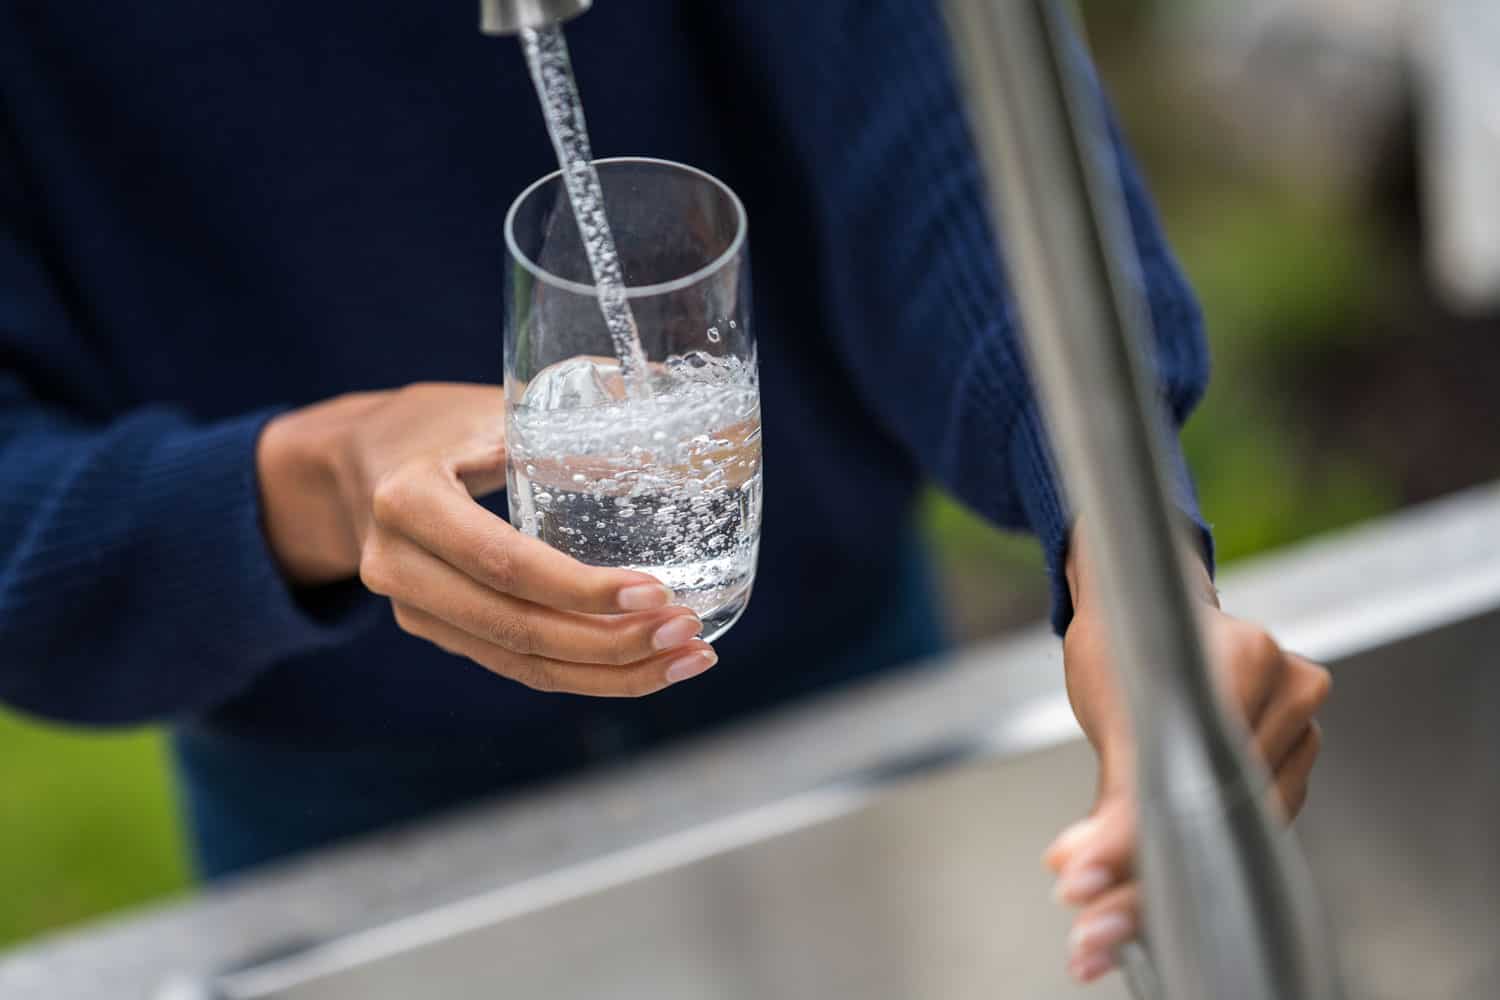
381,485
1278,695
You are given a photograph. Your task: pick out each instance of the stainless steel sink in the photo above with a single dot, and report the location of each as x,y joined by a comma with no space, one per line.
884,842
931,888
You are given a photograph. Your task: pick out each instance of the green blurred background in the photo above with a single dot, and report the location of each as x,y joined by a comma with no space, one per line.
1330,404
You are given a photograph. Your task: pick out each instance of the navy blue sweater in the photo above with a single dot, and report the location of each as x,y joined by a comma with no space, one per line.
209,213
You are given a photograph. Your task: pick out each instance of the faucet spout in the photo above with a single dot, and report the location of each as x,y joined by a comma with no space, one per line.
507,17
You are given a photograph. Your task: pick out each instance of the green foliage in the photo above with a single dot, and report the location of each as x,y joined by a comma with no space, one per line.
86,825
1283,282
1278,278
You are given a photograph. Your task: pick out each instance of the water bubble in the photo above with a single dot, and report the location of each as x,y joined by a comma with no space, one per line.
733,325
713,335
622,501
658,435
530,470
579,477
692,487
627,512
544,499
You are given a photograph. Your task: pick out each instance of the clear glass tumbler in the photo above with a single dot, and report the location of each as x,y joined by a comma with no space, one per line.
668,483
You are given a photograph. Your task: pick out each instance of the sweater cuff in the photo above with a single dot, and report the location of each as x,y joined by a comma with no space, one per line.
1050,517
237,611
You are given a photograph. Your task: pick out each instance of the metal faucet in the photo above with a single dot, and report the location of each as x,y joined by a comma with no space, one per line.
507,17
1229,906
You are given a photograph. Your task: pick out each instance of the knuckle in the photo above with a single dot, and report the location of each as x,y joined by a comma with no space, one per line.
1318,687
390,499
530,673
376,571
498,562
512,631
1259,647
624,646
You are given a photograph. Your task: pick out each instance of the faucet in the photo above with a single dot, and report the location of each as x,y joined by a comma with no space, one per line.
1230,910
507,17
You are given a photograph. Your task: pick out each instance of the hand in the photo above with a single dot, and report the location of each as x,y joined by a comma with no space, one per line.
382,485
1277,693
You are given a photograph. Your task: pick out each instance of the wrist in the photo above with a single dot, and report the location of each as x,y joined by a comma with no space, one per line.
304,515
1076,570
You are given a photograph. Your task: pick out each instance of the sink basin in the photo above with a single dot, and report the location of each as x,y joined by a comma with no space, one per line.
928,890
928,885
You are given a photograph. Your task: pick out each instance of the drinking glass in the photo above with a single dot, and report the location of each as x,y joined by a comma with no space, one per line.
666,480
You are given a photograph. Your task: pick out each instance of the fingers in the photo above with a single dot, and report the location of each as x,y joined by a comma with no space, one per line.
416,580
1288,735
1304,689
1100,929
1094,860
429,505
1250,666
1091,856
631,681
1276,693
1295,773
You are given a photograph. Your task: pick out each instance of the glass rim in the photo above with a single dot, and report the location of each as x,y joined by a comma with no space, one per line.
631,291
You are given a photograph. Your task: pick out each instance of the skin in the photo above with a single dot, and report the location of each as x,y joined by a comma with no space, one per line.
382,486
1276,693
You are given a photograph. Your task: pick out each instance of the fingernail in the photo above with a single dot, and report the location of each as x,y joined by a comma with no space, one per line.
676,632
1099,934
691,665
1070,838
644,597
1087,969
1082,885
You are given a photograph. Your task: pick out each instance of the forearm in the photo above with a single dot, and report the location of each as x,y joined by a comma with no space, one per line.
135,579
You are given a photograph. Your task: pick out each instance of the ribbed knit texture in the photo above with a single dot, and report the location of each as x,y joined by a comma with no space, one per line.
209,213
929,328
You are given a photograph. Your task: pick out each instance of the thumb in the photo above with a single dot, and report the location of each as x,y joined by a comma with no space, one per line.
479,463
1109,828
1096,853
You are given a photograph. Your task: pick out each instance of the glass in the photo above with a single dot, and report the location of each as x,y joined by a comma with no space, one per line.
670,483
